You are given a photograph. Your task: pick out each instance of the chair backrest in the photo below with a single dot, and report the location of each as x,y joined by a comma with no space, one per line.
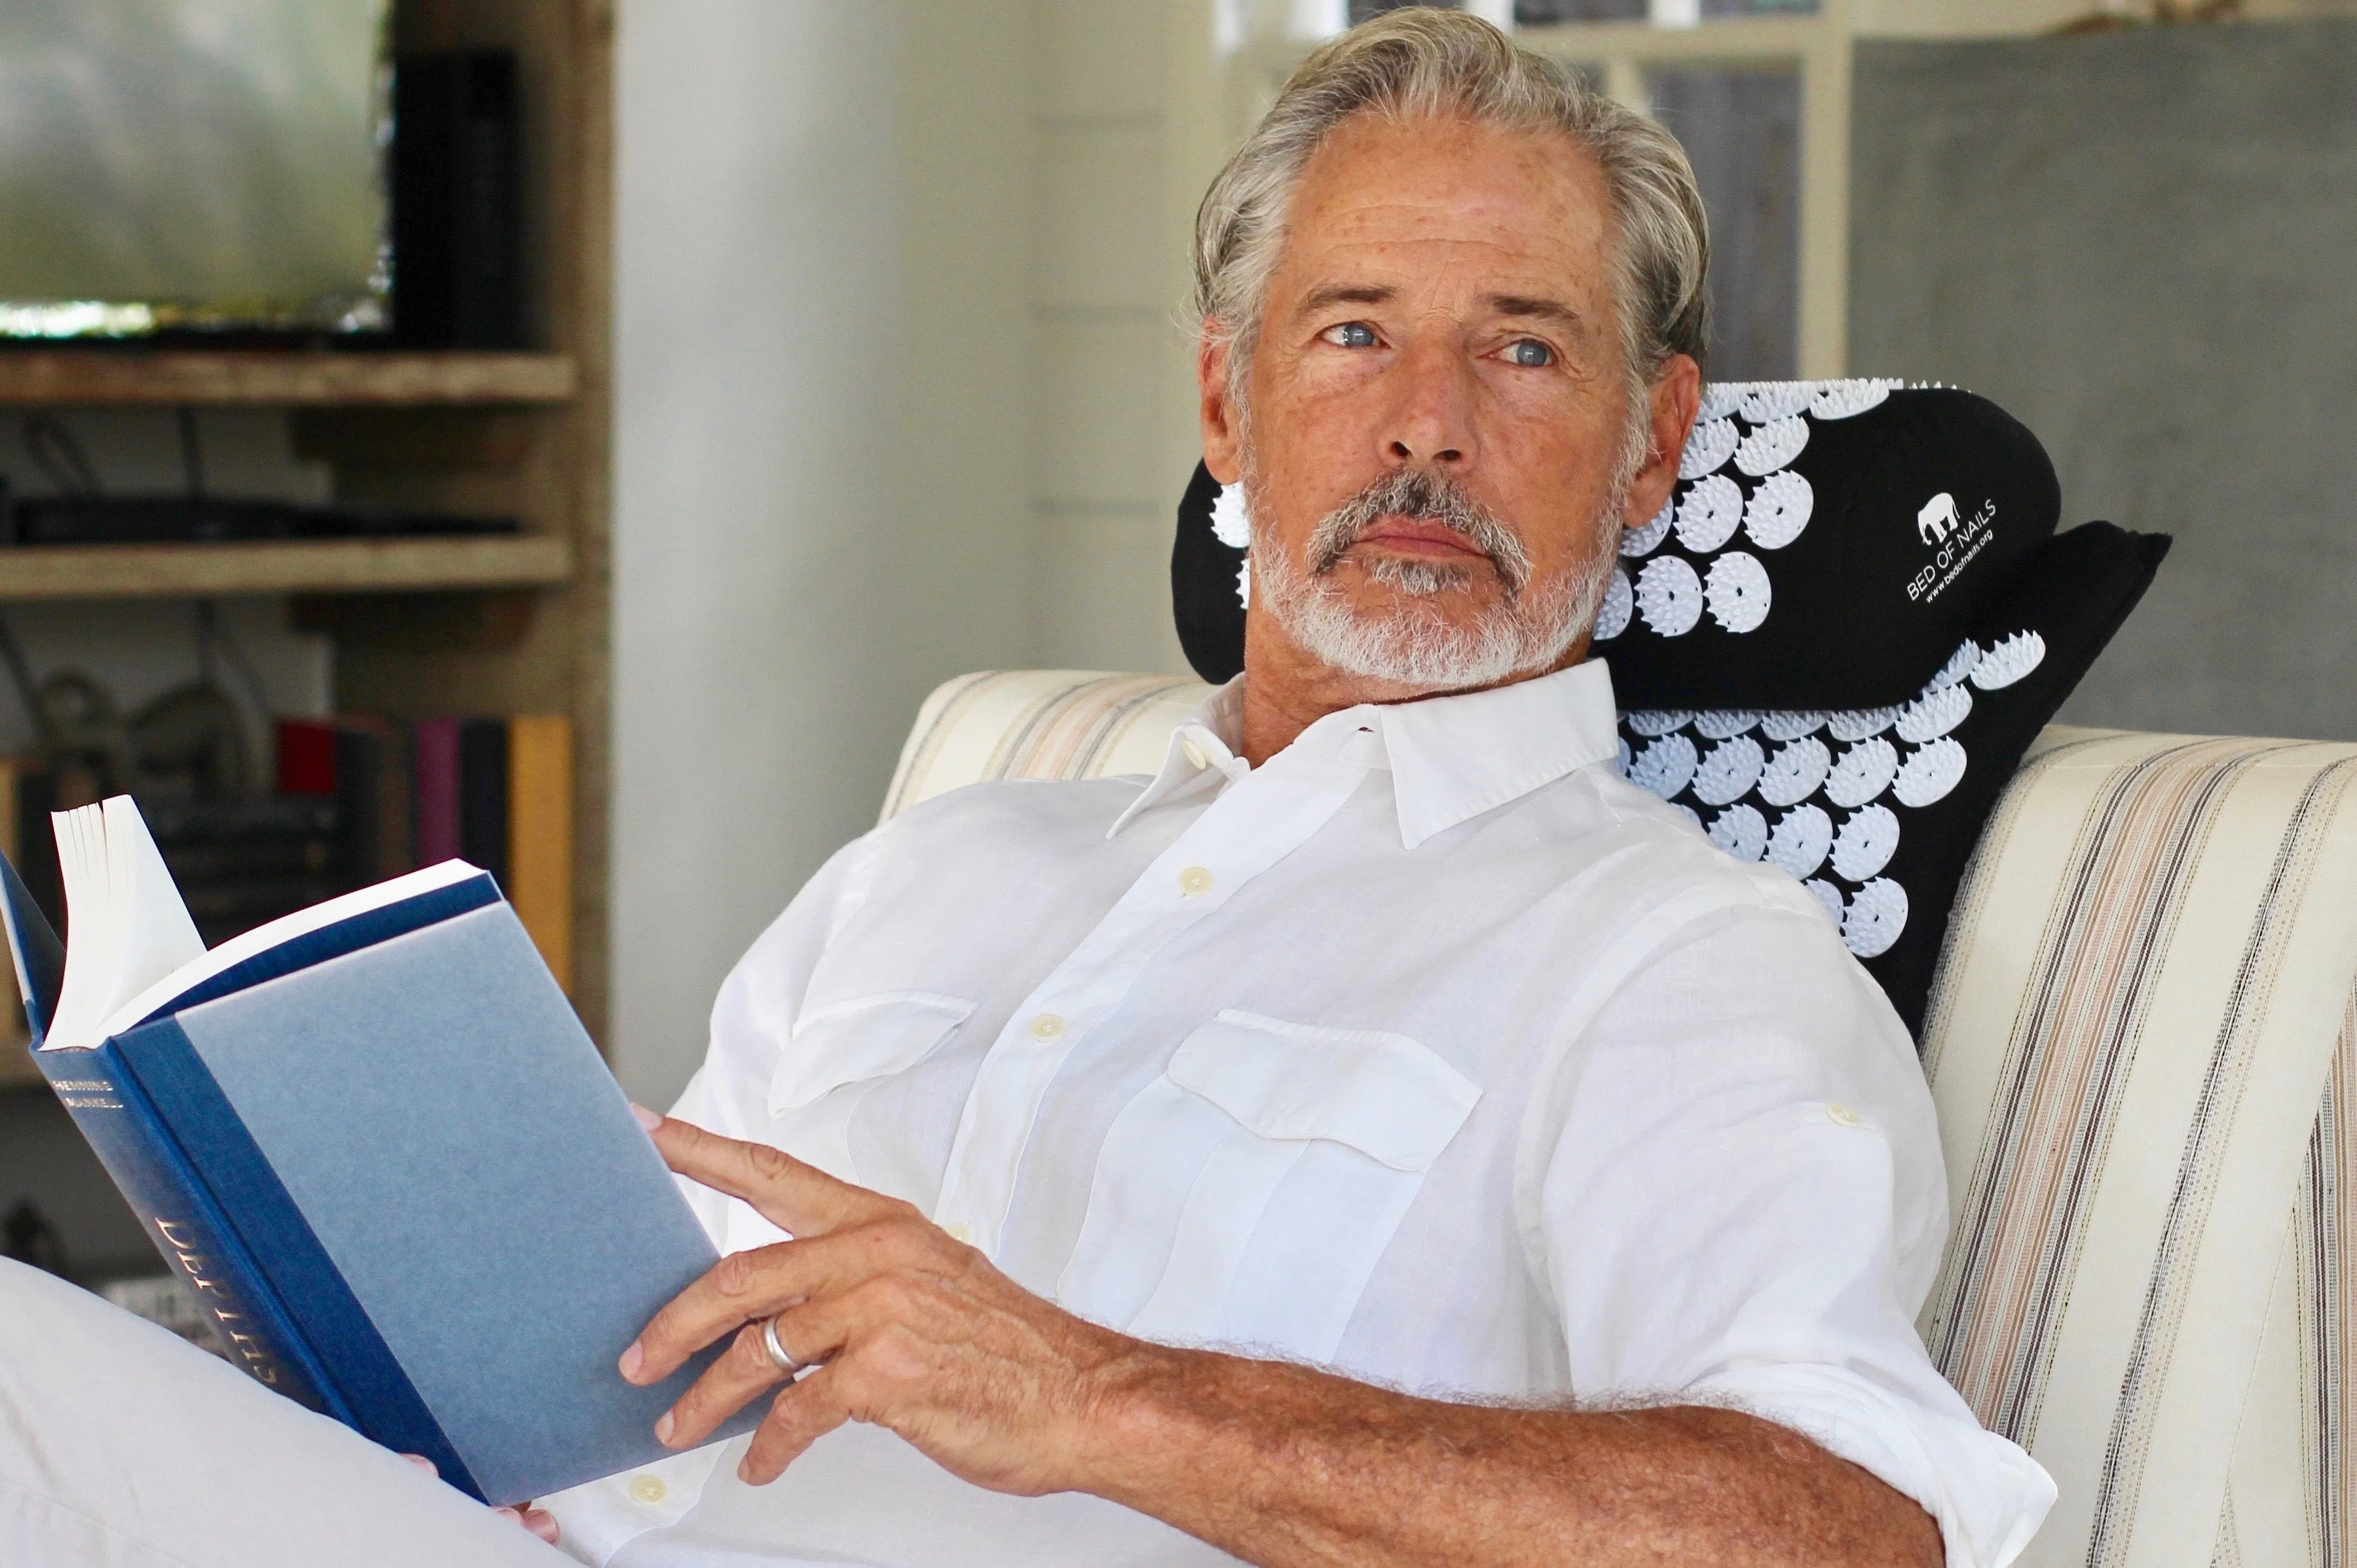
2142,1047
1038,724
2132,1042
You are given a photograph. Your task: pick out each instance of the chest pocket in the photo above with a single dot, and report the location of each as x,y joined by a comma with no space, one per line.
836,1053
1246,1195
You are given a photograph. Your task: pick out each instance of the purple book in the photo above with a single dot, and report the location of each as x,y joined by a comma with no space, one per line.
437,743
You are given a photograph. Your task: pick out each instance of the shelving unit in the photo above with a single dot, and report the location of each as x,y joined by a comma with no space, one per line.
111,377
321,566
518,434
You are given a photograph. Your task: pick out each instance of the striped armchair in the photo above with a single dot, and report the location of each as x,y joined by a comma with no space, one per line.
2143,1045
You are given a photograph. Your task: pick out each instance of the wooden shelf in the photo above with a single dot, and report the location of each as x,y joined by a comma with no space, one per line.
16,1069
121,377
334,565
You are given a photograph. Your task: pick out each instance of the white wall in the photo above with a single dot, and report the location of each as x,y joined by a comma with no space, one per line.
823,499
1108,270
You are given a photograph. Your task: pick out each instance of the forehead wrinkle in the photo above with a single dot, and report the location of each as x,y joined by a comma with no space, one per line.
1509,271
1503,202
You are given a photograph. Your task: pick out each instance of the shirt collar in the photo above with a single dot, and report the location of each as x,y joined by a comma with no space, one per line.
1454,758
1451,758
1200,755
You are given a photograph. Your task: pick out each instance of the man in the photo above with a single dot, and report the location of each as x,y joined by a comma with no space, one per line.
1385,1136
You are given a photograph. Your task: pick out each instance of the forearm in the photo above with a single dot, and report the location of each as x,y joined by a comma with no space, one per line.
1280,1464
1283,1466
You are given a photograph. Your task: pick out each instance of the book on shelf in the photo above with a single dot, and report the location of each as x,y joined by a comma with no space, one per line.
375,1141
496,792
358,798
540,835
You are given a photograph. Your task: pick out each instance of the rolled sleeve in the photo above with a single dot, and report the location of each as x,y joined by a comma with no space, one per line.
1745,1206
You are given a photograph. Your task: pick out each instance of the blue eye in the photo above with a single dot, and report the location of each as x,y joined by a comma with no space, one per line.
1529,352
1351,335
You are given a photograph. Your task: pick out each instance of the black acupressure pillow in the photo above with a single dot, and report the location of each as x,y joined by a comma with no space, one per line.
1876,811
1855,736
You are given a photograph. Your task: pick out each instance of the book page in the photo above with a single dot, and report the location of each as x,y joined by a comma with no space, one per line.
159,937
89,897
126,925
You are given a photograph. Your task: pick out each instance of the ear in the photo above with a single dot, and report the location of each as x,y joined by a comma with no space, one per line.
1223,428
1672,402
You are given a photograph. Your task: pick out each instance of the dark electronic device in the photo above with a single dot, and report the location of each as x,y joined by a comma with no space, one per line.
458,182
175,520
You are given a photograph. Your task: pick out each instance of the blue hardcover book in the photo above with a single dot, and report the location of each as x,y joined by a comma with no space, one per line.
377,1142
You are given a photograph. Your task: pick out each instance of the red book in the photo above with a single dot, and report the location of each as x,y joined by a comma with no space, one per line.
436,743
306,756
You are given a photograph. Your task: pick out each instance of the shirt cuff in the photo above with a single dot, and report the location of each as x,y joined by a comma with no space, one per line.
1987,1495
597,1518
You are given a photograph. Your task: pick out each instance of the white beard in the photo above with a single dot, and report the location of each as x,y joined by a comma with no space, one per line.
1416,644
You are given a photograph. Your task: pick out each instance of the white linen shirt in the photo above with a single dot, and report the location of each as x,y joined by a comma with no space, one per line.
1430,1051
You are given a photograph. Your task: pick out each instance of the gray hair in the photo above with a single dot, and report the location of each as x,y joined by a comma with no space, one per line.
1420,61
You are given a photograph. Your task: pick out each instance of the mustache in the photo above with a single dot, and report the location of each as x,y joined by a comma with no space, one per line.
1421,496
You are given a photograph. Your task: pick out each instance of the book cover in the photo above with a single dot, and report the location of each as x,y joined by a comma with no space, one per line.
306,756
153,1172
536,1228
540,836
420,1193
435,763
372,795
185,1222
483,795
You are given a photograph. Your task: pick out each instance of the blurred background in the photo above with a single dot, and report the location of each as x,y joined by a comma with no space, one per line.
834,347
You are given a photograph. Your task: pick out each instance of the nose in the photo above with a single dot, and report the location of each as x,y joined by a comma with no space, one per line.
1431,420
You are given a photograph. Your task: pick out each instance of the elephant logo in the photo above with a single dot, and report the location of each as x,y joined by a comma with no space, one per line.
1937,519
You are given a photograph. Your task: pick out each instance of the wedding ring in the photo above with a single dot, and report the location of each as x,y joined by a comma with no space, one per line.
777,1352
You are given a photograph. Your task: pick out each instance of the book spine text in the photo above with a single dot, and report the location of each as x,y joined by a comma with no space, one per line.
185,1224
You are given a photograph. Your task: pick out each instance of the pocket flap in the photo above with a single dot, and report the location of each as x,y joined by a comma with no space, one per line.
1383,1094
867,1037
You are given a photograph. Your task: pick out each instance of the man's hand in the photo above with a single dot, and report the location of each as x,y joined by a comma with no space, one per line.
904,1326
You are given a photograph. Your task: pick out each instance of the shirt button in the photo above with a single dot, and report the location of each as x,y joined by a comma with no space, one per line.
1047,1026
1840,1115
957,1232
1195,880
1194,754
648,1490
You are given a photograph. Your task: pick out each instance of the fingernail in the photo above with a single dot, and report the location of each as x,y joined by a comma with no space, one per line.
745,1469
647,1118
422,1463
662,1429
633,1360
510,1515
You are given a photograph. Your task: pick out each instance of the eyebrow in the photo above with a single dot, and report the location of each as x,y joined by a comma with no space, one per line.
1347,294
1533,308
